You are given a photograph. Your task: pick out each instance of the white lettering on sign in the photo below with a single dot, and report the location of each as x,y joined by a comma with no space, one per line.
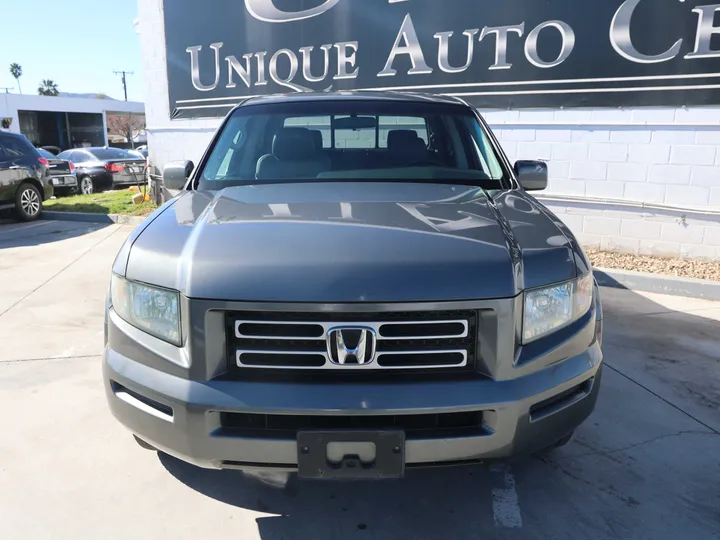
501,42
265,10
568,44
195,67
410,46
293,68
622,42
705,31
444,50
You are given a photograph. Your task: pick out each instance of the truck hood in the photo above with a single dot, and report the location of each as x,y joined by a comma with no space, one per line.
351,242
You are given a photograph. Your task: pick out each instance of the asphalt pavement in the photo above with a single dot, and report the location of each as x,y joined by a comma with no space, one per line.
646,465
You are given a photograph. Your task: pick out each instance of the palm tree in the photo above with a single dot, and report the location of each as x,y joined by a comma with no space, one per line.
48,88
16,71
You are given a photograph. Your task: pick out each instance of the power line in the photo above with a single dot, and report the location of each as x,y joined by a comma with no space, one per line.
124,81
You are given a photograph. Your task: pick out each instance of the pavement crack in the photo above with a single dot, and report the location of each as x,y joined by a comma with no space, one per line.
610,490
712,429
594,452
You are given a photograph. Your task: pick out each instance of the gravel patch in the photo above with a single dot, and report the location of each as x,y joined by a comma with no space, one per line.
690,268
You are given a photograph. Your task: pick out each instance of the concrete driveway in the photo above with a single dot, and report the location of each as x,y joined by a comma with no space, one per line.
645,466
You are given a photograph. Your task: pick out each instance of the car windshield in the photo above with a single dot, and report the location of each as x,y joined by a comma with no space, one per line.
112,153
352,140
47,155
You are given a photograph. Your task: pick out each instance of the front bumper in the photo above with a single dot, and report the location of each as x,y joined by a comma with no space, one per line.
182,417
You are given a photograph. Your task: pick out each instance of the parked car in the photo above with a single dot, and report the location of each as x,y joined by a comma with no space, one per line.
338,294
63,174
142,150
101,168
24,177
54,150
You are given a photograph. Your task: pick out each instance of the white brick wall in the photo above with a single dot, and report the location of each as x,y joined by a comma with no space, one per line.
655,155
648,153
646,156
641,231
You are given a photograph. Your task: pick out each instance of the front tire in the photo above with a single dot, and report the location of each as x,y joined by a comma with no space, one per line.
86,185
28,202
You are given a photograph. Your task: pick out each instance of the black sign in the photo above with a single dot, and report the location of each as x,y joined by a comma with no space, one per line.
492,53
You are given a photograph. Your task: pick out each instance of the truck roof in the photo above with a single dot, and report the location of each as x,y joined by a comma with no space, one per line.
354,95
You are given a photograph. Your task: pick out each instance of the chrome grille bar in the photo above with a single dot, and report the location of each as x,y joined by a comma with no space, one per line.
326,326
375,365
423,340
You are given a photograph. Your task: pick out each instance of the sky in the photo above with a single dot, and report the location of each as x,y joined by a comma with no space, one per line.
76,43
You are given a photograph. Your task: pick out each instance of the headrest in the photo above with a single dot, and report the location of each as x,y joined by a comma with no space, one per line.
405,140
315,133
318,138
293,144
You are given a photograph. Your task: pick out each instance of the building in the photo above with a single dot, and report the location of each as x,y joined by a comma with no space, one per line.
64,122
630,125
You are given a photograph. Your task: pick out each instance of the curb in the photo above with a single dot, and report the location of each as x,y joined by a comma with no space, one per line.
640,281
87,217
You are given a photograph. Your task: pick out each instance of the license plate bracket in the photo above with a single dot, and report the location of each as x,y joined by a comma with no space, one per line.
314,462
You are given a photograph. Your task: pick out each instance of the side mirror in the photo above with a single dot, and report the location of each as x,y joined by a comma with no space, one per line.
532,175
176,173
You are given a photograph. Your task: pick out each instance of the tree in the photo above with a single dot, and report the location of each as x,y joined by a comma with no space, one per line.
48,88
126,125
16,71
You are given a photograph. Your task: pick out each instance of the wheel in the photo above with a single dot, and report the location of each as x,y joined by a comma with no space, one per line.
86,185
28,202
144,445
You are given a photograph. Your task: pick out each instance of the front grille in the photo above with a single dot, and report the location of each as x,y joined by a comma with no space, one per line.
416,426
306,341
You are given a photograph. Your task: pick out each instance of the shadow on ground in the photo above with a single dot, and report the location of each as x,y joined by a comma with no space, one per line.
17,234
438,503
643,466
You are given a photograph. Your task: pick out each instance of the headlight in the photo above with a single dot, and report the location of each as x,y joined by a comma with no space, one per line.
154,310
551,308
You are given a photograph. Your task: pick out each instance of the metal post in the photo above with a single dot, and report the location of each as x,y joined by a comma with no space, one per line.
105,129
69,133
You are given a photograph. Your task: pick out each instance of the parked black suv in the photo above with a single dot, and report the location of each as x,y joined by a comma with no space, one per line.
24,177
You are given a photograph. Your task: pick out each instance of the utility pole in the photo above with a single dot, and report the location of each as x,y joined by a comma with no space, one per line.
7,88
124,82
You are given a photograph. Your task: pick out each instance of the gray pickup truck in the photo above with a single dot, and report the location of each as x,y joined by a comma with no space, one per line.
349,285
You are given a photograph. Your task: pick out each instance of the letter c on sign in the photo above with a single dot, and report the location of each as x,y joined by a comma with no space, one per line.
265,10
622,42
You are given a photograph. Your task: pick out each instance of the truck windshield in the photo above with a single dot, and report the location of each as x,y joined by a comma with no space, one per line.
352,140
